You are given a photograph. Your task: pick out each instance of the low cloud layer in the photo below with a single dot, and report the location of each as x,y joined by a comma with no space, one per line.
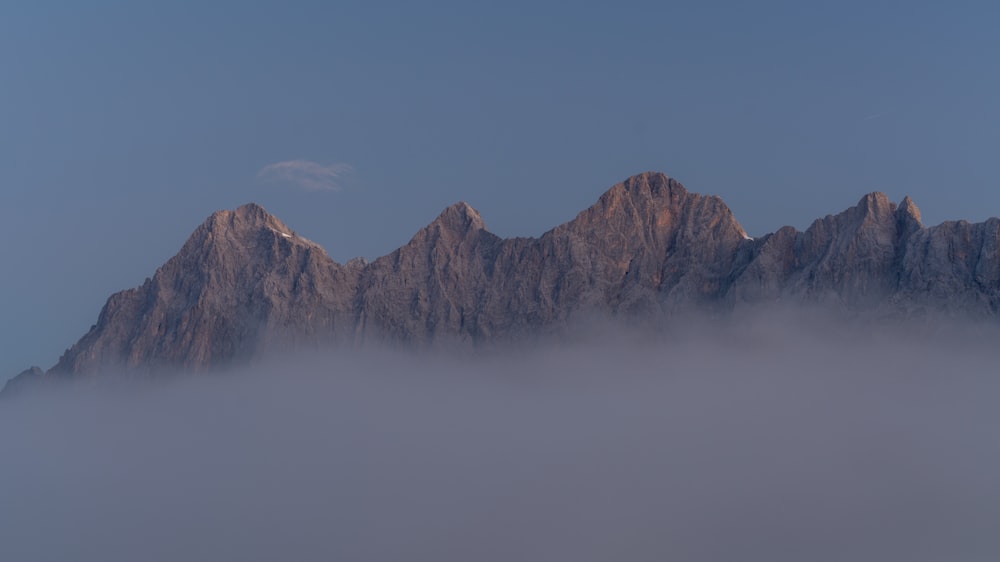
772,444
306,175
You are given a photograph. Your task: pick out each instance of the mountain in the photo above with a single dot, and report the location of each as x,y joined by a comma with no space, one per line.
244,283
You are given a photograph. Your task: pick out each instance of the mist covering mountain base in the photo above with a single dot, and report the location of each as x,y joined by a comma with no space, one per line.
648,252
777,438
644,382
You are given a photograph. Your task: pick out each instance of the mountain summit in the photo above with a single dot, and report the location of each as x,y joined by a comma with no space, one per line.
241,281
244,283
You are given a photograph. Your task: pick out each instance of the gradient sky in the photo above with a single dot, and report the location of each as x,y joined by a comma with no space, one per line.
124,124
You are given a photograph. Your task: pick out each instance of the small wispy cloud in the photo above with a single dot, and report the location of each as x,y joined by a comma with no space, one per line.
307,175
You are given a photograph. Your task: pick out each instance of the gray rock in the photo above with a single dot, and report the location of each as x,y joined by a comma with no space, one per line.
244,283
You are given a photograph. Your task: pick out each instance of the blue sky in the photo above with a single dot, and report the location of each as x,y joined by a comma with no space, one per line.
124,124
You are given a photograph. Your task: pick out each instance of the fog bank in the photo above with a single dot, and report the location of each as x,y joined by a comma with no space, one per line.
767,444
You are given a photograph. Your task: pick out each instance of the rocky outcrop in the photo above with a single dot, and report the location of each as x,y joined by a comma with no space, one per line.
646,246
850,259
954,266
429,289
244,283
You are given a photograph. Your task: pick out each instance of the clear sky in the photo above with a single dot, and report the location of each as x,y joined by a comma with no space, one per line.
124,124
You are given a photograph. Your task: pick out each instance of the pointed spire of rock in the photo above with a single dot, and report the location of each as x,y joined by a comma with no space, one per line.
908,215
655,205
459,218
252,212
250,216
875,205
654,183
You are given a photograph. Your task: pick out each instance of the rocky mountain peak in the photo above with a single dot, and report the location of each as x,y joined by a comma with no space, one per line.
244,282
876,211
248,217
650,198
908,215
654,206
458,219
654,183
251,211
232,236
647,186
875,206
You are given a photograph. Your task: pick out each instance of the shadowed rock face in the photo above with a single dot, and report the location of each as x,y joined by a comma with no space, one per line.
245,283
954,265
850,259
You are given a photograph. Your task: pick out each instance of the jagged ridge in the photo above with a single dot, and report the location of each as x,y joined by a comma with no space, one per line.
245,283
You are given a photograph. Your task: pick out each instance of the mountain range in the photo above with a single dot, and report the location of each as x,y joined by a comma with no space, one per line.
245,283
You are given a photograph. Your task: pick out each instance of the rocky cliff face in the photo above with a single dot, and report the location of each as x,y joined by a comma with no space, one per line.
245,283
851,259
954,266
242,283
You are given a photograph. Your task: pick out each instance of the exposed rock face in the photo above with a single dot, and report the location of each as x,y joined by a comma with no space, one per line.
646,245
954,265
850,259
245,283
431,287
242,282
